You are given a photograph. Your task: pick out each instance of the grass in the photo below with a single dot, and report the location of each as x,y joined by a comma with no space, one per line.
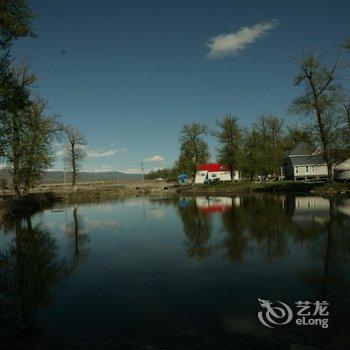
268,186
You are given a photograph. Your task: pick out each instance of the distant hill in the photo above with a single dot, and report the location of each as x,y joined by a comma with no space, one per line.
58,176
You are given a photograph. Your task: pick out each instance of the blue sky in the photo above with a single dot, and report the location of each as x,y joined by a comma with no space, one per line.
130,73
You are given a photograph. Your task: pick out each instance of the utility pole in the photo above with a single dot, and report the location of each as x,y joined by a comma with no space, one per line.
64,173
142,179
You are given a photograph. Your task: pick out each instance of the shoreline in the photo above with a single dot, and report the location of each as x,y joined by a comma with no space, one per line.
36,201
281,187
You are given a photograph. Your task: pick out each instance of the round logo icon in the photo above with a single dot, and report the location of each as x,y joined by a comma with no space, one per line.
272,314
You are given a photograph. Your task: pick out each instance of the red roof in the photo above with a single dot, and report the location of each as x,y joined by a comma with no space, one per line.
211,167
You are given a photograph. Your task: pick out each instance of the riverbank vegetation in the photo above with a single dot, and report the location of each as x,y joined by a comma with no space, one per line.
27,130
257,152
228,188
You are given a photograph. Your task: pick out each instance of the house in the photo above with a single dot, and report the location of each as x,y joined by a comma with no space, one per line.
214,172
304,162
342,170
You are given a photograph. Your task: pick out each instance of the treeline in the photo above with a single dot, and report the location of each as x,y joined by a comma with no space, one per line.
324,110
27,130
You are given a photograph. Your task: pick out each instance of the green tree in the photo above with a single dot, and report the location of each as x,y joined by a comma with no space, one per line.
26,132
346,44
320,100
252,165
229,135
40,132
16,19
347,114
13,119
193,150
270,134
297,134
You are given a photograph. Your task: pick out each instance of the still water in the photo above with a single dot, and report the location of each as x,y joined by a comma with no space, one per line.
176,271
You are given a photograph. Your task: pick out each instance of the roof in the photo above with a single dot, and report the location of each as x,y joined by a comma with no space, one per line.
343,165
307,160
301,149
211,167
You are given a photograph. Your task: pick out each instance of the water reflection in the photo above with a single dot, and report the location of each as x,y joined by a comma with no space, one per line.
30,269
274,226
197,227
78,237
190,265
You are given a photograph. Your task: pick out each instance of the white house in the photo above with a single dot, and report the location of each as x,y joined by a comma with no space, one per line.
213,171
342,170
304,162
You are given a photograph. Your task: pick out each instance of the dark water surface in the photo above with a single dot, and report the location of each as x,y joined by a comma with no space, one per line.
176,271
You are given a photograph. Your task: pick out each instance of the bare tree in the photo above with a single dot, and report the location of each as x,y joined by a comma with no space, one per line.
320,99
75,152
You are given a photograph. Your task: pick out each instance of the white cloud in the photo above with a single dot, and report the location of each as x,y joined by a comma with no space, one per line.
154,159
91,153
95,153
228,44
103,169
60,153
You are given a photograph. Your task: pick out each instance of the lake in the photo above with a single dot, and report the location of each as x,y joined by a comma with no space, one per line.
177,271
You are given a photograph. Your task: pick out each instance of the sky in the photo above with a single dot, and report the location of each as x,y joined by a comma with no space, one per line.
130,73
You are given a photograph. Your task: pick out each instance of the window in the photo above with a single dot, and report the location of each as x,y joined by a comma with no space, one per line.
307,169
296,170
313,168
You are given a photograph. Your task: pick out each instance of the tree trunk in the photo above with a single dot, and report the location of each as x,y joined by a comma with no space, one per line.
16,160
74,169
330,171
16,179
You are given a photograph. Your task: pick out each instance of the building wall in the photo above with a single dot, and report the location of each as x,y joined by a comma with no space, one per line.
287,169
222,175
342,174
200,176
310,170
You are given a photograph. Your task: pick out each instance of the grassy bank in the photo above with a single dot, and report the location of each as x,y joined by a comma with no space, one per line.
37,201
27,205
228,188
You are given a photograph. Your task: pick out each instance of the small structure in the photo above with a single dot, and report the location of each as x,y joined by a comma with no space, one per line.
182,178
213,172
304,162
342,170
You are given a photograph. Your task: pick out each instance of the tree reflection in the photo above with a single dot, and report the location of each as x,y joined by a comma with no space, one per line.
30,268
79,238
269,224
235,241
328,276
197,227
330,251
